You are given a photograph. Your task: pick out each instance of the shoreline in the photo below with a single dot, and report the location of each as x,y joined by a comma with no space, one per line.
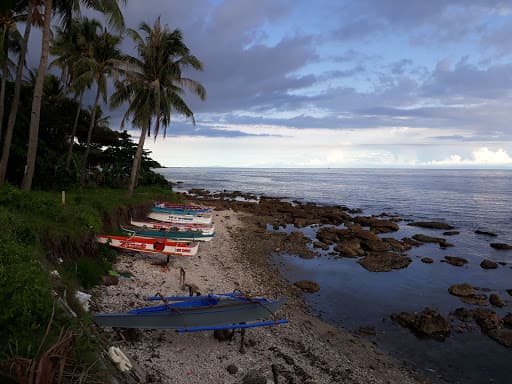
304,350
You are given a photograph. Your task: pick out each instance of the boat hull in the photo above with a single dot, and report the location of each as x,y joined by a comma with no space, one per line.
174,218
228,313
182,208
149,245
204,229
170,235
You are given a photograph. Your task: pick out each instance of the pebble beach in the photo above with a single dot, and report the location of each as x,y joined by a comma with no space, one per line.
306,350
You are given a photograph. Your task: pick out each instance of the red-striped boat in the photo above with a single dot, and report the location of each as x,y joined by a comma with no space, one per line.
150,245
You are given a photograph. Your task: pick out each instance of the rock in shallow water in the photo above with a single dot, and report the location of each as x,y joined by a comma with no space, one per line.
431,224
495,300
462,290
427,323
384,262
455,260
501,246
488,264
307,286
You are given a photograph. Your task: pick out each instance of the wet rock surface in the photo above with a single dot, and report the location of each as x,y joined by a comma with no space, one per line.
427,323
455,260
501,246
307,286
430,239
488,264
384,262
462,290
486,233
430,224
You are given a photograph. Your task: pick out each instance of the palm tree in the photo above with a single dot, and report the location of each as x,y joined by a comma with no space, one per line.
153,84
17,7
105,61
67,9
10,41
70,47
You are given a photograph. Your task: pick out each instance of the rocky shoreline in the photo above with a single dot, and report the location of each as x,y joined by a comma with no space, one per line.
306,350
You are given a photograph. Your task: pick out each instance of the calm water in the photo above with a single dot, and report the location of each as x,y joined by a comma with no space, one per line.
350,296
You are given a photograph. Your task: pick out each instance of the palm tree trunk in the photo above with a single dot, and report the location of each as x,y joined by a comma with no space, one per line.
6,148
73,132
137,159
83,176
3,86
37,100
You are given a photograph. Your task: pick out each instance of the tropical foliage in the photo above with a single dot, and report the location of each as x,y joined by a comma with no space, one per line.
153,84
52,140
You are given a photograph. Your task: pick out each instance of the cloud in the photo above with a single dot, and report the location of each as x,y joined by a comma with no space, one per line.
479,157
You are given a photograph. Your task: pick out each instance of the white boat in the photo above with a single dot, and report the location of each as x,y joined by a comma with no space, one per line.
175,218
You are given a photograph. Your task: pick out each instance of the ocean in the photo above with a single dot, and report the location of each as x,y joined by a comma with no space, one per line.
351,296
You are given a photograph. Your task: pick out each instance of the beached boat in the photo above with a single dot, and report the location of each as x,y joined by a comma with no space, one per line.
150,245
181,211
198,313
176,218
205,229
185,208
163,233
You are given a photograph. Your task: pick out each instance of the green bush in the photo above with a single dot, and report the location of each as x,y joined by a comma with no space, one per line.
25,298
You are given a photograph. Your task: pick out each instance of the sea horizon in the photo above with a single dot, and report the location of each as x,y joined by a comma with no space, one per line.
350,296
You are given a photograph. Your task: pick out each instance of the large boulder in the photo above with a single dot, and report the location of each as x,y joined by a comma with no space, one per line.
384,262
427,323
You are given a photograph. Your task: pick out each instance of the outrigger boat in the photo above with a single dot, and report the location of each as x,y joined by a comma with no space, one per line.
198,313
180,211
182,208
205,229
168,234
177,218
150,245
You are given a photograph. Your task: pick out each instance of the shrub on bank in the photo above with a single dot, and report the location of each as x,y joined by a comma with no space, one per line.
34,222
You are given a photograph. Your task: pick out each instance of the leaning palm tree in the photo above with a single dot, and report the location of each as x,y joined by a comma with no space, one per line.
105,61
66,9
153,84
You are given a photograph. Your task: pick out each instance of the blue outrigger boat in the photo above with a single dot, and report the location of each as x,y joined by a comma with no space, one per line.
198,313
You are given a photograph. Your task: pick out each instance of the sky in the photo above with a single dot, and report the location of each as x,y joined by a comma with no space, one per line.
338,83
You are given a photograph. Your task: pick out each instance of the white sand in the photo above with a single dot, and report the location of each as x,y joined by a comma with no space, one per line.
305,350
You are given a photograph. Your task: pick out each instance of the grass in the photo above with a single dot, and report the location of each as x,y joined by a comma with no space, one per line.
37,227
